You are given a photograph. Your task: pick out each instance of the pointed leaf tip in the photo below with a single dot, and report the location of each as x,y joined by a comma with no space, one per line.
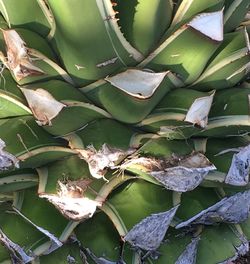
137,83
188,256
238,173
209,24
149,233
43,105
234,209
199,110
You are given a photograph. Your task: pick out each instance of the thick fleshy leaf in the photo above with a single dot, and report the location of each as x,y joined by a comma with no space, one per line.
30,144
23,238
188,62
11,99
179,114
144,34
69,186
148,199
56,227
102,131
230,158
35,20
234,13
106,245
132,91
17,180
226,117
55,102
29,57
87,61
229,67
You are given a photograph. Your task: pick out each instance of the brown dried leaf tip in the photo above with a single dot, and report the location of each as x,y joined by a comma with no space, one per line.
70,200
104,158
18,59
177,173
43,105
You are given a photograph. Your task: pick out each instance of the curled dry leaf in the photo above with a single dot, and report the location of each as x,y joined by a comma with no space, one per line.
43,105
70,200
188,256
179,174
137,83
234,209
149,233
18,59
100,160
199,110
238,173
209,24
7,160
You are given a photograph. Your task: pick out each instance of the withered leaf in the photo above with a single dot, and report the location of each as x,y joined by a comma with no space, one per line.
179,174
188,256
70,201
234,209
149,233
238,173
100,160
18,59
199,110
43,105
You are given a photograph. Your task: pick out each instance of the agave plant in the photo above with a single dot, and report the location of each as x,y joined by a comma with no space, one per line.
124,131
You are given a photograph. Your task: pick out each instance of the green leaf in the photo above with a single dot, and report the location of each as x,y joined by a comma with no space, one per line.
144,22
106,244
35,20
133,91
17,180
66,254
188,62
179,114
235,13
229,67
29,240
83,54
102,131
